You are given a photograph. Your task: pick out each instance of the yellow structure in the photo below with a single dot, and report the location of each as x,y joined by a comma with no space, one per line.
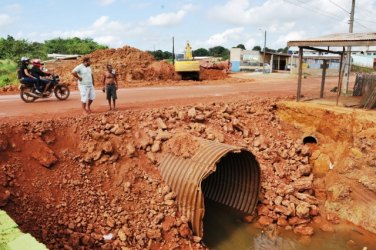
188,52
188,68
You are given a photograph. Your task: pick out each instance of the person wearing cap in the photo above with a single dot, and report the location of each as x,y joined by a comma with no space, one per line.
38,73
85,84
110,85
24,74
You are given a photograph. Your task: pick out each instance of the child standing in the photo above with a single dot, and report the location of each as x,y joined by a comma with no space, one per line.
110,86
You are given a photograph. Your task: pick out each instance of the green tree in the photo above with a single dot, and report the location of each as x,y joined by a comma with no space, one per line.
161,55
13,49
283,50
73,45
158,54
258,48
200,52
219,51
167,55
241,46
270,50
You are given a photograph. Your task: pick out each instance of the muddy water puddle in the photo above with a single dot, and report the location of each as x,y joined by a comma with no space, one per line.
224,230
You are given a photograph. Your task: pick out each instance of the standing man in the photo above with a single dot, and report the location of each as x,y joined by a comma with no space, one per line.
110,85
85,83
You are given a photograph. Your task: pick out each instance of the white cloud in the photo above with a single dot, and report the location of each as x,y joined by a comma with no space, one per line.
291,36
250,43
170,18
167,19
5,20
283,19
13,8
106,2
223,37
114,41
103,30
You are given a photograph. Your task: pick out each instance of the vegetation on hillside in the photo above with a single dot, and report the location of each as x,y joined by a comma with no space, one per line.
8,73
13,49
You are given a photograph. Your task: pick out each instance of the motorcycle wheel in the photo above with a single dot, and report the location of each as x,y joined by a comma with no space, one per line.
25,96
62,92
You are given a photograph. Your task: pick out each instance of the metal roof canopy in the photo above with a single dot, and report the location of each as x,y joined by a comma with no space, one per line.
334,40
337,40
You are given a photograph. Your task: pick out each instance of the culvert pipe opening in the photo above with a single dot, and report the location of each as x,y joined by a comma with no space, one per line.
219,172
309,140
235,185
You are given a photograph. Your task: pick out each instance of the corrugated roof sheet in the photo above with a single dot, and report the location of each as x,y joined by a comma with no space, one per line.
338,40
236,182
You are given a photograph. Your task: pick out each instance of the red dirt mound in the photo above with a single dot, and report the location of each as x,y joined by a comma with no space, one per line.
212,74
131,64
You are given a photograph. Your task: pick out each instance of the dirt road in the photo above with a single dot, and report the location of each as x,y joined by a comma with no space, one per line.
12,105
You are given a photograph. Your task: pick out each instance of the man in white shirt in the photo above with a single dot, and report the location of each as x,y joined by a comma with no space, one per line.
85,83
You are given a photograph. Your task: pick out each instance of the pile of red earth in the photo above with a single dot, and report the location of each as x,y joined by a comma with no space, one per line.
92,182
212,74
9,89
131,64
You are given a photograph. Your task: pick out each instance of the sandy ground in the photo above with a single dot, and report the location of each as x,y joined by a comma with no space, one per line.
274,85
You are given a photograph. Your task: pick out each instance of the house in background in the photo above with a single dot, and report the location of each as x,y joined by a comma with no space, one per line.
365,59
313,63
249,60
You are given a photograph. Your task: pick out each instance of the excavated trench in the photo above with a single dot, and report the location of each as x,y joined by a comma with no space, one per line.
74,181
225,228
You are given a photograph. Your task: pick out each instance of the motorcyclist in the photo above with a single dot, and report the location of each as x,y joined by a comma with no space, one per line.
24,75
38,73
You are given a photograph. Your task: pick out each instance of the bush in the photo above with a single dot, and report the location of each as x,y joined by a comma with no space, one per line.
8,73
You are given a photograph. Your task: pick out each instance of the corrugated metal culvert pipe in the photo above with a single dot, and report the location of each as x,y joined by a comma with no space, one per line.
225,174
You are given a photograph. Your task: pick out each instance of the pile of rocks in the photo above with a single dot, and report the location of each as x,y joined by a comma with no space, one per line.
287,195
105,190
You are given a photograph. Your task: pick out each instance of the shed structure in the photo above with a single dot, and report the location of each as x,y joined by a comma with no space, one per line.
335,44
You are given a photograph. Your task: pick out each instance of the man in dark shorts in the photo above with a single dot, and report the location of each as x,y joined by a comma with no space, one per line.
110,86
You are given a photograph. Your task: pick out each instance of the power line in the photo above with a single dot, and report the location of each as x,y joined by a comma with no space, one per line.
366,14
334,3
327,14
365,20
365,27
364,11
319,11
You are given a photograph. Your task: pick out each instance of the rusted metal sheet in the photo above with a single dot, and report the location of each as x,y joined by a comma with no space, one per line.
338,40
220,172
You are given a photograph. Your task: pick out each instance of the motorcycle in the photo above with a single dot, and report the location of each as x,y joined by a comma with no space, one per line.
28,91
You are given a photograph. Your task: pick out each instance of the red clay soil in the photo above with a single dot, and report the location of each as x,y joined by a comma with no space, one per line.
75,180
132,66
212,74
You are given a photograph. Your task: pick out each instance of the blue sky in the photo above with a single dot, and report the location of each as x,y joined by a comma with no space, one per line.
150,24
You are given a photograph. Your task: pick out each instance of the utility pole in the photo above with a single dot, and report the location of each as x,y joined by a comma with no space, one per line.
173,50
263,63
351,28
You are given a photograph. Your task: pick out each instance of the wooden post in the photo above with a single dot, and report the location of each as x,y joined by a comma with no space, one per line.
339,87
279,63
300,72
324,65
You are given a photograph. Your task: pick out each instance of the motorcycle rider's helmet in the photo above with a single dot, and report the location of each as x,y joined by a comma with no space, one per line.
24,59
37,63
